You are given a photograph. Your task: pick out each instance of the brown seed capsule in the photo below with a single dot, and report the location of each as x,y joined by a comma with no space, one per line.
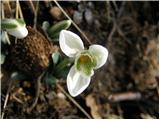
32,54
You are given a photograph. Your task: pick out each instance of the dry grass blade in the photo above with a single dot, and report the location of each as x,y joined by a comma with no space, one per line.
17,9
32,6
6,98
35,11
70,98
20,11
8,5
72,22
117,97
3,16
36,14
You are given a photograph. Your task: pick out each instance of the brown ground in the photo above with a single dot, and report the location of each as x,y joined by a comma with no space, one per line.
125,87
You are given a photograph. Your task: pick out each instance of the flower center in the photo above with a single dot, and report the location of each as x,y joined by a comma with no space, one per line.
85,63
84,59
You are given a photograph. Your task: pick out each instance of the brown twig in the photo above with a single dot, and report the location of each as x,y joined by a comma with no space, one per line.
115,5
17,99
35,11
112,33
121,9
117,97
38,86
108,10
120,111
72,22
70,98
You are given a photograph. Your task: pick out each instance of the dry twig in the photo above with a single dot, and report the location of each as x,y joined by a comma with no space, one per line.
36,14
117,97
6,98
70,98
38,86
3,16
17,9
32,6
20,10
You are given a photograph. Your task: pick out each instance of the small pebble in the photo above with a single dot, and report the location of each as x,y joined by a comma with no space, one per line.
56,13
97,24
91,5
88,16
77,17
61,95
81,8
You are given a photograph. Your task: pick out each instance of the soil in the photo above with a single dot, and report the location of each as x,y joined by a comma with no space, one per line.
127,86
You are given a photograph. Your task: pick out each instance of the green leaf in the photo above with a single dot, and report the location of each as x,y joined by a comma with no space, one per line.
45,25
63,64
63,73
8,26
21,22
2,58
12,23
55,57
50,79
55,29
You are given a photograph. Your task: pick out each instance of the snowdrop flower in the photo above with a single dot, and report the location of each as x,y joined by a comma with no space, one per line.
15,27
86,61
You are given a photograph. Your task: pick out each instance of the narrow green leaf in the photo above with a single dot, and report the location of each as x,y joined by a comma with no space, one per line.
2,58
21,22
45,25
11,23
8,26
55,57
50,79
63,73
55,29
63,64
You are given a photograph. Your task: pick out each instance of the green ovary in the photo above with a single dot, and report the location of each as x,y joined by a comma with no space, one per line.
85,63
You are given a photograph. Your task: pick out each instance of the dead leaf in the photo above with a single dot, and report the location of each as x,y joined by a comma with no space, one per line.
90,102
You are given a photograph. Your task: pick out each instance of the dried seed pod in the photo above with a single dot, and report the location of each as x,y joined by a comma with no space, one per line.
31,54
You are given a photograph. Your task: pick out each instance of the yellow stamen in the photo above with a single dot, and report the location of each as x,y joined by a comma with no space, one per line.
84,59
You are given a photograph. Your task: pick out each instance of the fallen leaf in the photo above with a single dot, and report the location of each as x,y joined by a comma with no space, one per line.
90,102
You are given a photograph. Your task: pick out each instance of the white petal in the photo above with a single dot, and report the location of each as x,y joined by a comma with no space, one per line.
101,54
70,43
19,29
19,32
76,82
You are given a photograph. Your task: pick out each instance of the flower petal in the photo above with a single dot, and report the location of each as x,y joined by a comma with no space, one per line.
76,82
15,27
19,32
100,53
70,43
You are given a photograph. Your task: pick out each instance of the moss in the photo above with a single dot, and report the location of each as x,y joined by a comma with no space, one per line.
31,54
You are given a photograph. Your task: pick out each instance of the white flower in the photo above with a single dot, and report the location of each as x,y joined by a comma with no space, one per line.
86,61
15,27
